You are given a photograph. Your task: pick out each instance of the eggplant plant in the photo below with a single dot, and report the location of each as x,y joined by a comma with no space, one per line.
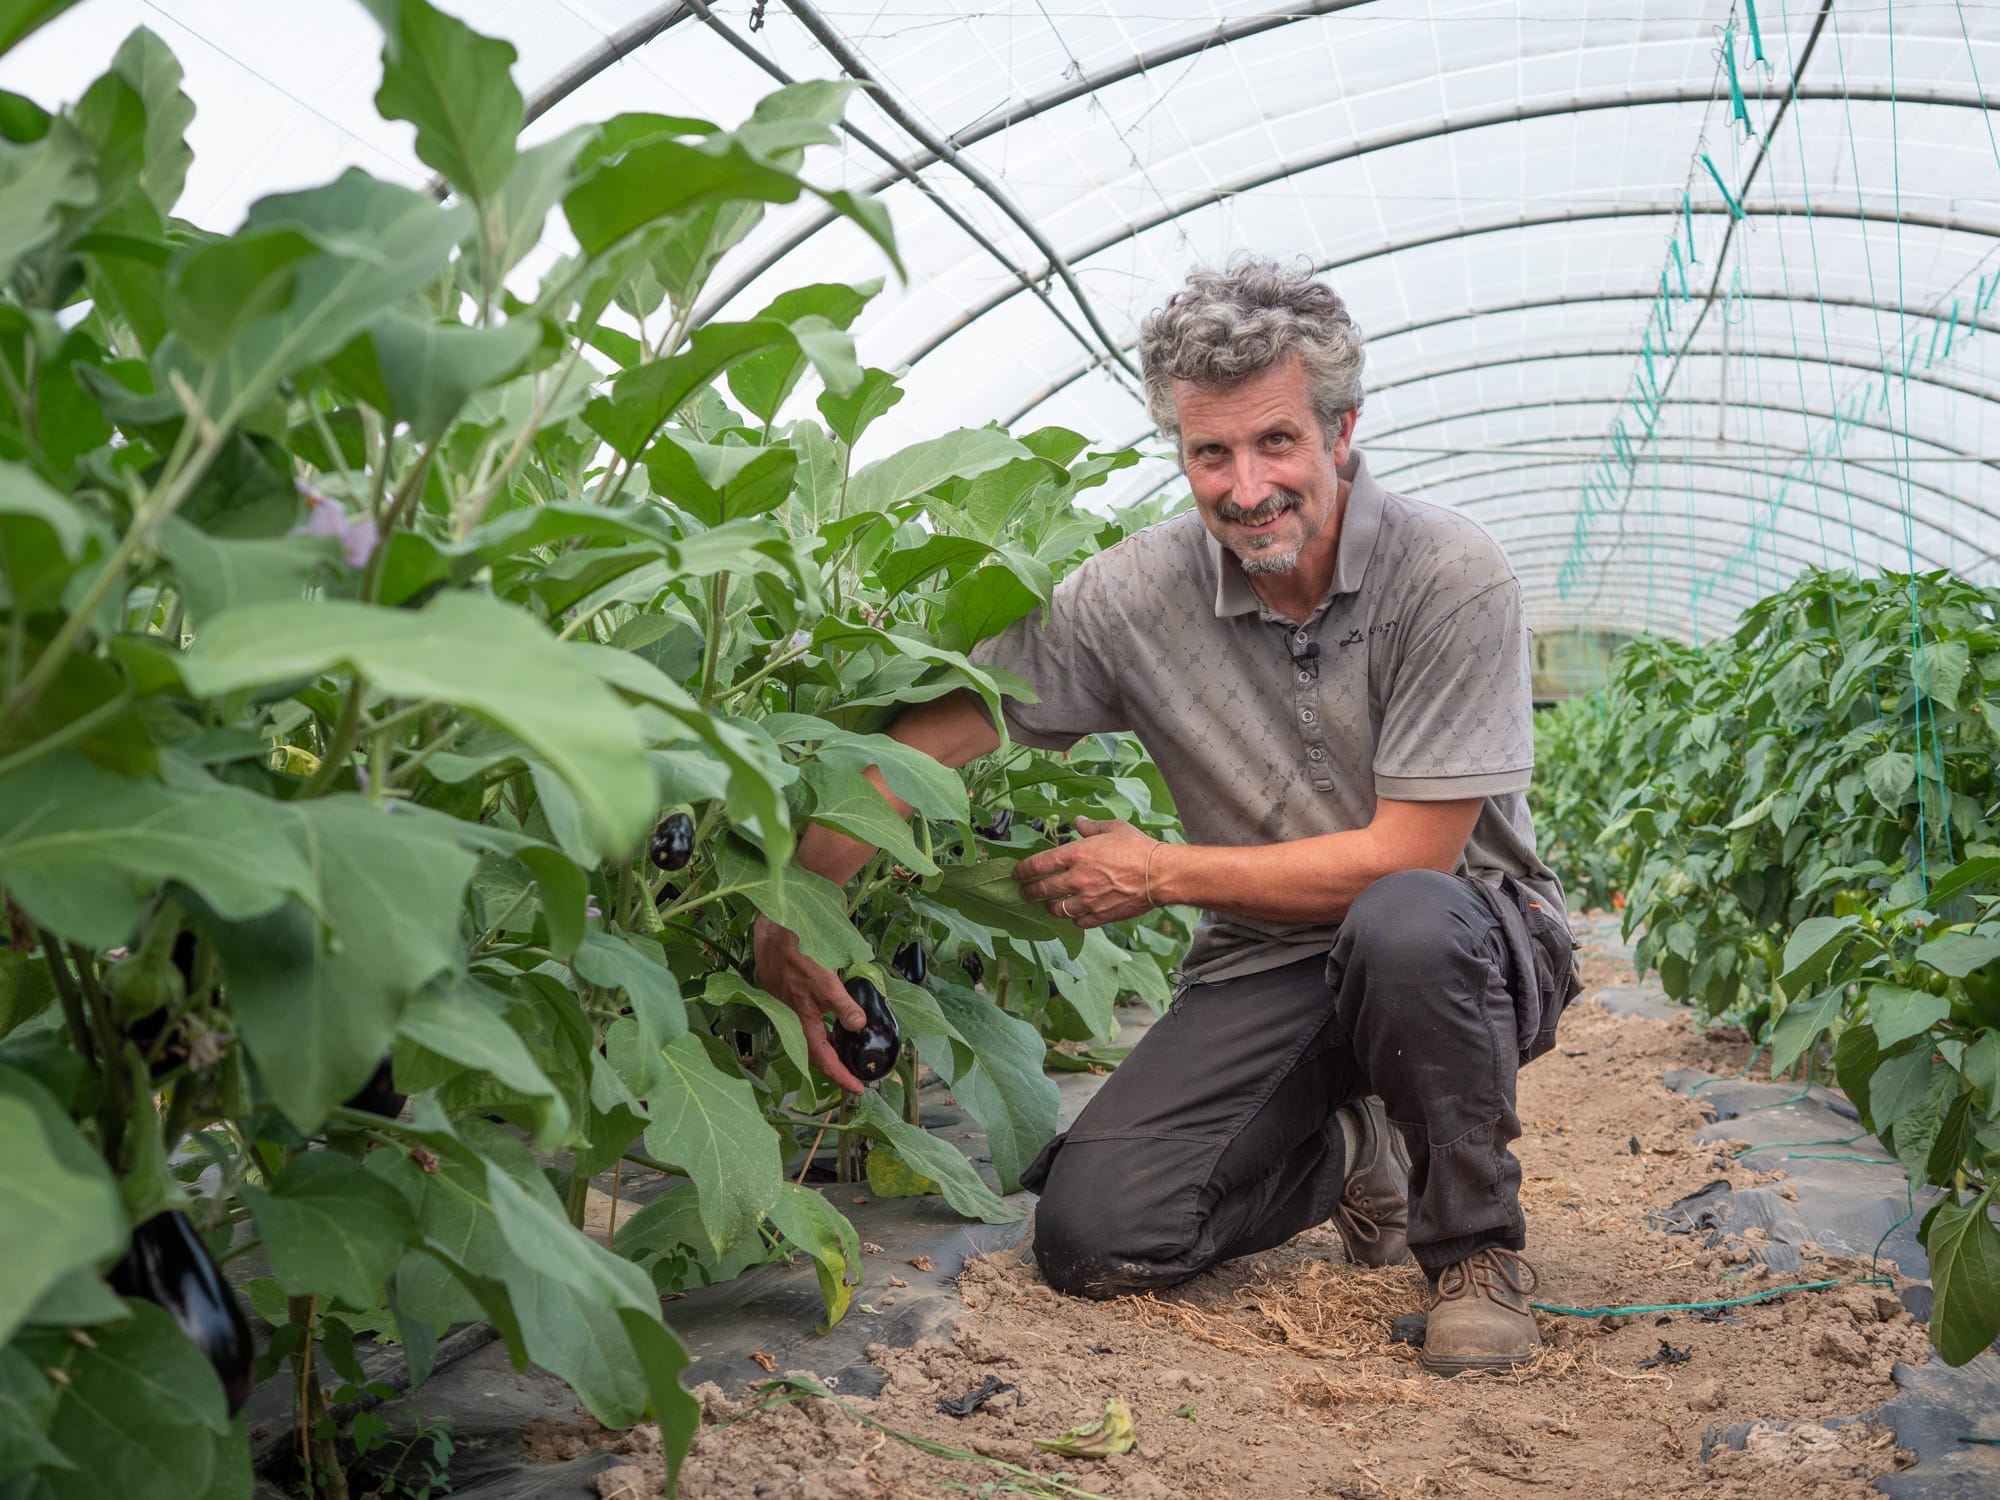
403,656
1806,818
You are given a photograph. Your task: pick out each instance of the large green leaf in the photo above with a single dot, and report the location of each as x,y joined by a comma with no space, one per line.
662,177
83,851
711,1128
935,1159
137,1411
1897,1087
541,175
462,649
455,1023
1964,1251
27,1400
1005,1090
932,788
544,1242
663,1359
761,384
1959,953
37,182
634,966
643,398
757,772
726,988
422,373
1802,1024
848,801
922,466
454,85
853,414
20,17
1811,950
795,899
220,573
45,537
1964,876
988,893
1941,668
809,1223
983,604
924,654
137,118
1890,776
578,1336
63,1209
316,1011
717,482
307,273
332,1228
1897,1014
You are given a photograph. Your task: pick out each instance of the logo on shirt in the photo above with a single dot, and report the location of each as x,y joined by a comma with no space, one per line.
1356,636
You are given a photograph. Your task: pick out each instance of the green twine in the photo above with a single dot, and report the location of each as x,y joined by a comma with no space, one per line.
1839,1140
1761,1048
1735,208
1736,105
1667,1307
1756,37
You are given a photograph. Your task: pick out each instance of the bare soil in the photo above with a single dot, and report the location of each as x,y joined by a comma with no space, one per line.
1277,1376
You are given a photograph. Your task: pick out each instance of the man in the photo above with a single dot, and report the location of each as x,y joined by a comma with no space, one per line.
1333,681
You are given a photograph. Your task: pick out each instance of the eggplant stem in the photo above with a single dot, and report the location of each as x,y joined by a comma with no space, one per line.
813,1150
617,1182
72,1001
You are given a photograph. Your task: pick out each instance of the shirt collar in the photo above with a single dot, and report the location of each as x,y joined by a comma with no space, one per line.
1360,526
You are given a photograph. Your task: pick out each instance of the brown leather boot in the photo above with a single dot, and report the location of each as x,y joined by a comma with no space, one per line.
1481,1319
1373,1215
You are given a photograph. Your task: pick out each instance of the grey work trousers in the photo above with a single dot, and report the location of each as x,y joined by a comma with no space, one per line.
1216,1137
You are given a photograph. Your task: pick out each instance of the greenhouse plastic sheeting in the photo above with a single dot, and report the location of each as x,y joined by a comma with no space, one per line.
1677,298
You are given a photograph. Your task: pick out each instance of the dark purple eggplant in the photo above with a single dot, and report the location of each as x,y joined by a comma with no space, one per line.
871,1052
672,844
378,1095
912,962
1000,827
168,1265
973,964
669,894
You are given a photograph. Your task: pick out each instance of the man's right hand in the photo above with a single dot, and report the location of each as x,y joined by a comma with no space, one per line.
811,989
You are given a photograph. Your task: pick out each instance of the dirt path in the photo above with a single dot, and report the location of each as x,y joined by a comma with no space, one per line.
1277,1377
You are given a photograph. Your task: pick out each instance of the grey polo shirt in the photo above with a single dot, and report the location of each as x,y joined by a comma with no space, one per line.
1419,692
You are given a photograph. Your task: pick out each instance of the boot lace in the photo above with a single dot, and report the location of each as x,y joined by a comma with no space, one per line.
1495,1273
1356,1225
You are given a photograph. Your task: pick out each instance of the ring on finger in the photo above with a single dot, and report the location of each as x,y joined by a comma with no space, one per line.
1062,908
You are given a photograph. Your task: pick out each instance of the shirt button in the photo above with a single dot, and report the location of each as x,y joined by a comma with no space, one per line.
1315,753
1305,677
1300,637
1307,716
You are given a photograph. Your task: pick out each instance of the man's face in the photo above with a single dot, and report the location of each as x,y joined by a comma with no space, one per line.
1265,475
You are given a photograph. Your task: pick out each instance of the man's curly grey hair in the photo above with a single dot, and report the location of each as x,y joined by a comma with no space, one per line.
1225,326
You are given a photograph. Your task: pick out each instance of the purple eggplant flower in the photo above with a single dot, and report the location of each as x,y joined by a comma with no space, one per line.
358,535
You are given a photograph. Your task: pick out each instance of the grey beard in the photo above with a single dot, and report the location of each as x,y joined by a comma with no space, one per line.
1259,563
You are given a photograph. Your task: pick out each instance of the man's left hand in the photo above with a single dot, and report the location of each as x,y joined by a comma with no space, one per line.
1098,878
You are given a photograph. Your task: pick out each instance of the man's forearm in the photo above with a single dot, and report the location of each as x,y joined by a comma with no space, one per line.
1315,879
952,730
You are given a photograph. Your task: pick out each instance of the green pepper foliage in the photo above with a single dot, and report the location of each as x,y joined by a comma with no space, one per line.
1805,819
